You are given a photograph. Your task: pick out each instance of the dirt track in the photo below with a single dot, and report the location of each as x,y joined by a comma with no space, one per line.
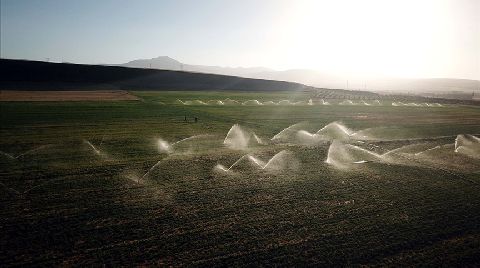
98,95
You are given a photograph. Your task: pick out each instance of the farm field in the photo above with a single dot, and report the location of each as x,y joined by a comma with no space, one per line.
98,95
142,183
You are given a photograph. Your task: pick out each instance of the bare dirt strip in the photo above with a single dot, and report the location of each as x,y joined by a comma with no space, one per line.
97,95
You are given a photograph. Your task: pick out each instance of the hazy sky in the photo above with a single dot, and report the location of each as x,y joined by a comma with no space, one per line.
405,38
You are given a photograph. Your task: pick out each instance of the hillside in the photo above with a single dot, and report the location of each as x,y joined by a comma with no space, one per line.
33,75
424,87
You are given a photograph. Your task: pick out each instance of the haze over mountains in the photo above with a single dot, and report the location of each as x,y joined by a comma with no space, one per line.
167,63
314,78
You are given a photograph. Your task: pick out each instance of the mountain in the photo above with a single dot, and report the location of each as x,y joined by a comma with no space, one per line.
162,63
430,87
167,63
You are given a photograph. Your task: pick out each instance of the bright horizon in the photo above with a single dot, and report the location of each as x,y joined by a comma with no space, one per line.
365,38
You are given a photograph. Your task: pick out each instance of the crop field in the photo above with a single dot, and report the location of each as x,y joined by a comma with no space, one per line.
178,178
98,95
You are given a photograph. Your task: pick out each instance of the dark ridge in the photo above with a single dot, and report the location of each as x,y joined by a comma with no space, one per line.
36,75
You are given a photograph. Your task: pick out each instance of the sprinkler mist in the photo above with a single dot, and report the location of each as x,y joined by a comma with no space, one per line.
239,139
132,176
343,155
164,146
280,161
252,102
325,102
287,132
468,145
330,132
335,131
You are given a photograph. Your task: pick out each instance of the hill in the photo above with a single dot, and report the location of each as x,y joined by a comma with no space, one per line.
34,75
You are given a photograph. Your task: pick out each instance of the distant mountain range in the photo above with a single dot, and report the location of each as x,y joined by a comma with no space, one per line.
317,79
167,63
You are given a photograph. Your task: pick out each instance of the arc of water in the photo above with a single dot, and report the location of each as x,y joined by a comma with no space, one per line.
341,127
238,161
238,138
151,169
97,152
190,138
167,147
275,157
399,149
8,155
258,139
263,165
234,164
428,150
27,152
257,161
289,128
34,150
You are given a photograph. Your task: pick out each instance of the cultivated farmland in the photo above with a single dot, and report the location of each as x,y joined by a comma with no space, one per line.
235,178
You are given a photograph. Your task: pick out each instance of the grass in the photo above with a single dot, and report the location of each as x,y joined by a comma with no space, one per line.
64,205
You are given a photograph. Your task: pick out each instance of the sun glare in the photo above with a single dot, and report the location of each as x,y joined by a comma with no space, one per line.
356,37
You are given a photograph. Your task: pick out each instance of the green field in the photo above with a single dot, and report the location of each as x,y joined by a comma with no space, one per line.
78,188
